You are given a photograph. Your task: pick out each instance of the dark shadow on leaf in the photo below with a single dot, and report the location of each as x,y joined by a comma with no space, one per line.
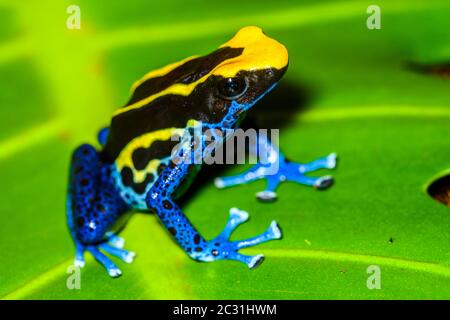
440,69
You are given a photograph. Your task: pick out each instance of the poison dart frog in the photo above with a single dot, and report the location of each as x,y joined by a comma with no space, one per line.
133,168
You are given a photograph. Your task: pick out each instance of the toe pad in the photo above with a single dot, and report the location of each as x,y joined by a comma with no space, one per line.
256,261
266,196
324,183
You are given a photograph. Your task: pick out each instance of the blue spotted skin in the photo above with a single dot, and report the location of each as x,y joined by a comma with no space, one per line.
94,208
97,204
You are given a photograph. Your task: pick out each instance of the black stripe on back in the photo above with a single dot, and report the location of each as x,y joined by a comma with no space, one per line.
186,73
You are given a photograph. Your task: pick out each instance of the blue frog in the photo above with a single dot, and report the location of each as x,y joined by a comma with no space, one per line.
134,169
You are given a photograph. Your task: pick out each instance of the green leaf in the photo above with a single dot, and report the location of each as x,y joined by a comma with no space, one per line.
387,122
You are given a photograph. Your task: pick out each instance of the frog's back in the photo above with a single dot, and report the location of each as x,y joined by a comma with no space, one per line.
144,132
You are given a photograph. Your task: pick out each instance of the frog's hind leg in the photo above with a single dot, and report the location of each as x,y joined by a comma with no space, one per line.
278,169
92,208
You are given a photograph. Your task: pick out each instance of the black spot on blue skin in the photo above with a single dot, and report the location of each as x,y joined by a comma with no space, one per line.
127,176
142,186
197,239
161,168
80,221
198,249
84,182
172,230
100,208
167,204
78,170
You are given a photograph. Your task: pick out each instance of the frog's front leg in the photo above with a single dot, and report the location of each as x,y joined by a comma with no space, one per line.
185,234
102,135
92,207
278,169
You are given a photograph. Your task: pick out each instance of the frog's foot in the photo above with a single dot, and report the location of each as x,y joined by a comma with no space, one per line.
221,247
287,171
112,249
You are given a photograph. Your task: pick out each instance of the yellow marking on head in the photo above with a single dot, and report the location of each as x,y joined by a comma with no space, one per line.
260,52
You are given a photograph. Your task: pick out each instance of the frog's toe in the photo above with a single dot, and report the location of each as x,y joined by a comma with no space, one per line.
266,196
332,160
116,241
256,261
114,250
323,182
79,262
124,255
251,261
79,255
114,272
110,267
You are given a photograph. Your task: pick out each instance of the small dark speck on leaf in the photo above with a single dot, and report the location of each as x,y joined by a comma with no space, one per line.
391,240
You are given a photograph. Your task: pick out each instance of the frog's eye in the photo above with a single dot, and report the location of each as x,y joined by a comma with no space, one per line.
232,88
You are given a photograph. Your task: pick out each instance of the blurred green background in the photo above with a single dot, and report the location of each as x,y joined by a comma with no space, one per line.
388,123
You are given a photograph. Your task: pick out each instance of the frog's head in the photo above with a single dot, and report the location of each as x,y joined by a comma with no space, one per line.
212,88
216,89
255,65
